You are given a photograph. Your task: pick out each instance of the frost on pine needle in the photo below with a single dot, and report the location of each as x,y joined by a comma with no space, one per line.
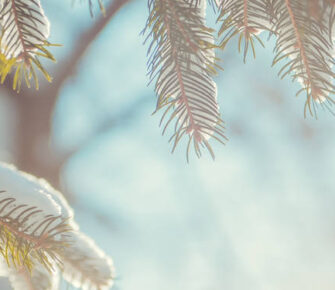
25,30
4,270
182,61
38,236
29,189
36,26
38,279
33,225
245,19
306,42
86,266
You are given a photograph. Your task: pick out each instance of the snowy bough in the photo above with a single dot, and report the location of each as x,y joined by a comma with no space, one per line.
181,54
182,57
39,239
25,31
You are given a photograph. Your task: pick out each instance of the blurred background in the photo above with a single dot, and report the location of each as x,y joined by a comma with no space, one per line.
260,217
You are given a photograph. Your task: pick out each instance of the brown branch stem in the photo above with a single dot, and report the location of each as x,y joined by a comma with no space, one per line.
35,108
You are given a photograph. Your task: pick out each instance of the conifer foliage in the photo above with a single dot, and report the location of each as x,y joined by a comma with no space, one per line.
181,54
39,239
182,57
25,30
304,48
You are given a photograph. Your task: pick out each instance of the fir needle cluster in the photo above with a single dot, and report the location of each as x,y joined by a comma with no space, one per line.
39,239
24,34
181,54
304,49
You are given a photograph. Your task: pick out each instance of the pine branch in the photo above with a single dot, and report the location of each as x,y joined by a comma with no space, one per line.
35,242
34,221
25,30
38,279
305,41
85,265
182,61
245,19
27,234
68,67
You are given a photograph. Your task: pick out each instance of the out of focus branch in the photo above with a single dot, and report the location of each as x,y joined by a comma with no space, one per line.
122,118
68,66
35,108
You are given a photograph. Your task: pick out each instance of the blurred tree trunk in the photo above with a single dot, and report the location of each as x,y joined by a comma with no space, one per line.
33,152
